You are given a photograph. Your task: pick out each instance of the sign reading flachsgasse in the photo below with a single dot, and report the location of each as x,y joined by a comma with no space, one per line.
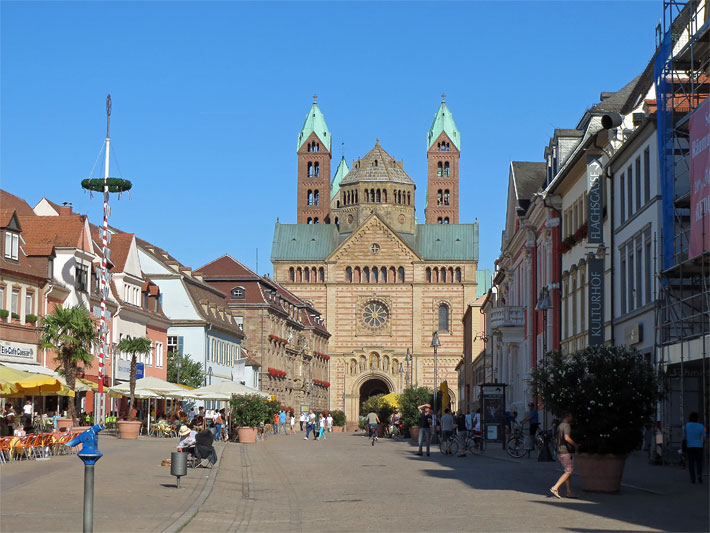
595,200
700,179
595,300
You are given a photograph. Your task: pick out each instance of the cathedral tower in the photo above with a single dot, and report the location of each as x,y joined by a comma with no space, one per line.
313,149
443,152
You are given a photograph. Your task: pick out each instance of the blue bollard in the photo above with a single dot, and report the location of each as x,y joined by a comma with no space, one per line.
89,453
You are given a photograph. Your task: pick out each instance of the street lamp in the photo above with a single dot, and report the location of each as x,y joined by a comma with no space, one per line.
435,344
178,364
408,359
401,371
543,304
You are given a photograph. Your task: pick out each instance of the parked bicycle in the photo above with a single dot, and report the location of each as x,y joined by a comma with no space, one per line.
474,442
515,445
449,446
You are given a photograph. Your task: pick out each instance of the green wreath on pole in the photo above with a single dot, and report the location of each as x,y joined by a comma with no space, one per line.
113,184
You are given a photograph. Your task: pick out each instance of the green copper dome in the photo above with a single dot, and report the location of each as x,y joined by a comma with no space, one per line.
314,123
340,173
443,123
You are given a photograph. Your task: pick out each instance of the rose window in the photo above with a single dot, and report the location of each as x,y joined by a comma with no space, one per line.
375,314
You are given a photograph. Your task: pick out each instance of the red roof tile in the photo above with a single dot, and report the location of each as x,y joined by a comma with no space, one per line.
10,201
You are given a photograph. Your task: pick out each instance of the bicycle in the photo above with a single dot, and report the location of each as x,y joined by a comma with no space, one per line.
475,443
449,446
373,434
392,431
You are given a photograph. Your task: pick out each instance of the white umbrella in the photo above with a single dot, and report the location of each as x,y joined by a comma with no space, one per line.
226,387
149,383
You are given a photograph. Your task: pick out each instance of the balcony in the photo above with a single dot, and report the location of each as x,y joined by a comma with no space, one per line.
509,322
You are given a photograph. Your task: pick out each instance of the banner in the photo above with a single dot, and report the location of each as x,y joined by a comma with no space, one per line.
238,372
595,300
595,200
699,179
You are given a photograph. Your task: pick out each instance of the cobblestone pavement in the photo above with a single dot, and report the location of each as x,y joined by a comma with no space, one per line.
344,484
340,484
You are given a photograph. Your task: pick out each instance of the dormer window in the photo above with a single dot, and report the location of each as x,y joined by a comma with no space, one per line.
238,293
12,245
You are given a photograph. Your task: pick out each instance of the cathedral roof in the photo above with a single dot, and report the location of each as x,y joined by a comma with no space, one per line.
432,242
443,123
340,173
377,166
314,123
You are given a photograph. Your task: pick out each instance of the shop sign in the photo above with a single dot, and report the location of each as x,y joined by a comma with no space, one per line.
595,200
595,300
16,349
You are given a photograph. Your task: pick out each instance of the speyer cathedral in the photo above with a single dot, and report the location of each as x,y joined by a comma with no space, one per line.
383,282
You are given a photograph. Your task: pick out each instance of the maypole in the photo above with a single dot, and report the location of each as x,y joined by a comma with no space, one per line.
105,185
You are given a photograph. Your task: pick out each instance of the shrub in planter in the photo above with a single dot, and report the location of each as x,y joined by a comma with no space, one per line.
410,398
611,392
30,318
248,410
338,418
4,313
15,316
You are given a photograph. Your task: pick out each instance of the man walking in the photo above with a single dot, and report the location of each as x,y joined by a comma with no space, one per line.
282,422
461,431
424,428
301,420
447,429
695,436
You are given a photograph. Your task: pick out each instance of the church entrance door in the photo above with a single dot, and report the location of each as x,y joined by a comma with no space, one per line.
370,388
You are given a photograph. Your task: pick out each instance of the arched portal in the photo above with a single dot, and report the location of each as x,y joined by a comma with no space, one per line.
372,387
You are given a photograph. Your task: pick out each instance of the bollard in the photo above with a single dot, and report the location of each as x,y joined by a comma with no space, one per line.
89,453
178,465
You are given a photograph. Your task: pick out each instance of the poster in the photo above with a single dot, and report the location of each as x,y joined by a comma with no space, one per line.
700,179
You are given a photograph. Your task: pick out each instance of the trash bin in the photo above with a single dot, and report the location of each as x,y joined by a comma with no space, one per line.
178,465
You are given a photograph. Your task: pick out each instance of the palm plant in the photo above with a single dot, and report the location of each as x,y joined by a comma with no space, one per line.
70,332
139,345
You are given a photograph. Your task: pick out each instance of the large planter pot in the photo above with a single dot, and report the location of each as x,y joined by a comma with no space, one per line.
65,424
246,435
338,429
600,473
414,433
129,429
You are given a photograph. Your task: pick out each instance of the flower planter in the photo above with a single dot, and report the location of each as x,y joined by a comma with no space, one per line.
246,435
65,424
414,432
338,429
129,429
600,473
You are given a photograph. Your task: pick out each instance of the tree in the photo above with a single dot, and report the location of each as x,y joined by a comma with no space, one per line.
70,332
191,373
138,345
409,400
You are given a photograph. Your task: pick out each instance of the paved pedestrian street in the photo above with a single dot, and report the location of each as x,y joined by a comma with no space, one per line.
340,484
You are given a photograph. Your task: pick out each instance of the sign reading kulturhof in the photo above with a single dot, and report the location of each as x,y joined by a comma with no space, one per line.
595,300
700,179
595,200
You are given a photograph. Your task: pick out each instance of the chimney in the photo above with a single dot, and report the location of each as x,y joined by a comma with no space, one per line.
65,209
198,276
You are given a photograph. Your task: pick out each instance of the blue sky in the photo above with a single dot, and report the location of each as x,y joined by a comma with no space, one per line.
208,99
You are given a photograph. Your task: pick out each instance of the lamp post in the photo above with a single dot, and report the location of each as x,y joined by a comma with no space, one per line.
435,343
543,304
178,364
401,372
408,359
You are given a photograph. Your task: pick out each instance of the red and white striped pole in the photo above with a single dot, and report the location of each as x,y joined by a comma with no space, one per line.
104,274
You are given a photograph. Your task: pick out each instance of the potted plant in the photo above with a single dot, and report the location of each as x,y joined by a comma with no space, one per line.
339,421
248,411
129,429
4,313
410,398
70,332
30,318
611,393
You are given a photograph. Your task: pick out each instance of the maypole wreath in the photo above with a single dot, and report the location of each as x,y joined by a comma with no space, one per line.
113,184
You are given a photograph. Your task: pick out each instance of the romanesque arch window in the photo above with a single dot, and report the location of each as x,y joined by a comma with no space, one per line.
315,220
442,272
428,274
439,169
439,220
309,221
383,274
357,197
458,274
372,195
314,274
446,169
316,169
337,204
446,220
292,274
448,147
316,197
400,274
446,197
309,197
409,198
349,274
321,274
384,195
392,275
299,272
375,274
366,275
306,274
439,197
443,317
310,169
379,196
451,275
436,274
357,275
367,195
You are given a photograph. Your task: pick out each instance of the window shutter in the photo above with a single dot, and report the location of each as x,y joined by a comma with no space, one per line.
180,344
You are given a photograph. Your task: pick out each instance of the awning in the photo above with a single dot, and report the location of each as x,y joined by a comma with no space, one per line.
18,383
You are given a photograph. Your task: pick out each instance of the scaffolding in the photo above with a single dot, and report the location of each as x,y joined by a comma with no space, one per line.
682,76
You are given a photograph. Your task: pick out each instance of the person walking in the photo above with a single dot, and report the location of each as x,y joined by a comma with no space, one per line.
695,436
301,420
282,422
292,420
218,421
310,424
27,413
424,428
329,423
566,448
461,431
447,428
321,426
275,420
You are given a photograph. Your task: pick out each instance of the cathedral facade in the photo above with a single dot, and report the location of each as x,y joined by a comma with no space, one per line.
383,283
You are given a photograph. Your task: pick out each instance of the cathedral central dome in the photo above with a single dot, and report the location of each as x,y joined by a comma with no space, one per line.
377,166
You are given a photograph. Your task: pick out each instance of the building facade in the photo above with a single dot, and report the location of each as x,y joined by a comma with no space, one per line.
384,283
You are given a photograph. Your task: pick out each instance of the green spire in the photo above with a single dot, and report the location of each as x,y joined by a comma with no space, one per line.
443,122
314,123
340,173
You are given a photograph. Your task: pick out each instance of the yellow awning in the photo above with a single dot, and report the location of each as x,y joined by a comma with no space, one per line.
392,399
14,382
